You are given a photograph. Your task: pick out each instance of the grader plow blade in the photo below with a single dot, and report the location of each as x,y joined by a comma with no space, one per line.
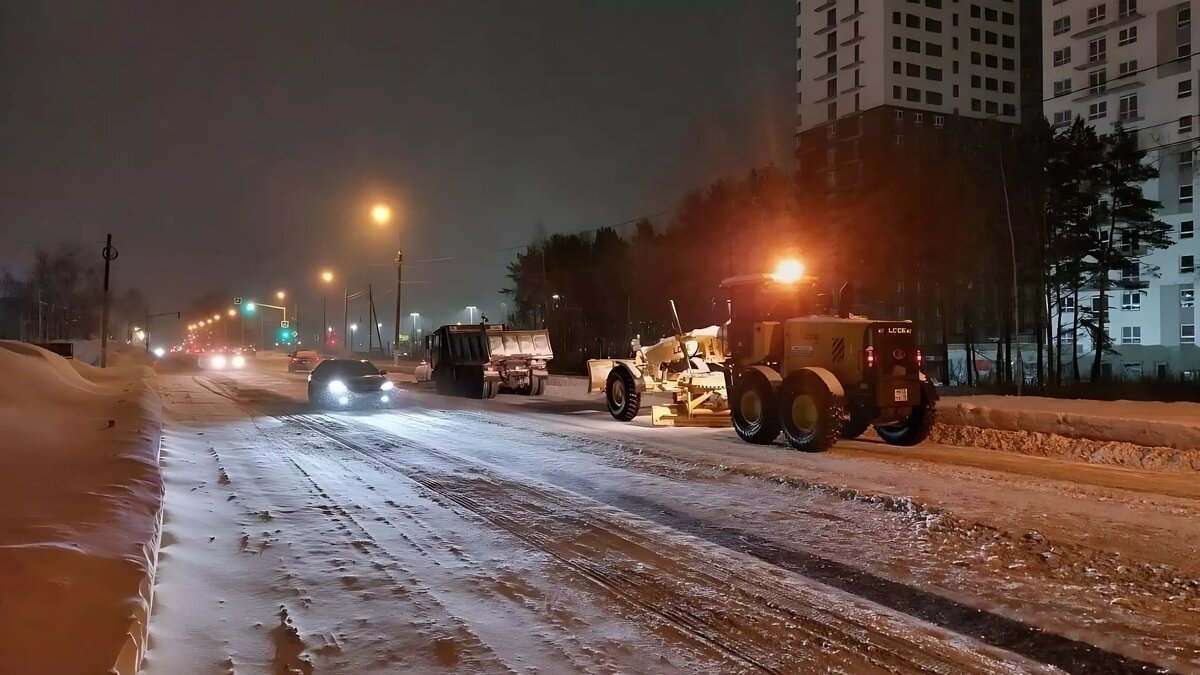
676,415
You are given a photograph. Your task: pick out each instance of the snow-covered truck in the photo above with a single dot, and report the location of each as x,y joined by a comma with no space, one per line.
481,360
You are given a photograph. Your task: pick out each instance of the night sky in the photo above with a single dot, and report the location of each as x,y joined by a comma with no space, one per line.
239,145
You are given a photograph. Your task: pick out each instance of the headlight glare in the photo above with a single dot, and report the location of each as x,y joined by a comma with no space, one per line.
337,387
387,386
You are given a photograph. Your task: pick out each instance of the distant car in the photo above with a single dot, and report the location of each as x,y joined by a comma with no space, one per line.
303,361
221,359
345,383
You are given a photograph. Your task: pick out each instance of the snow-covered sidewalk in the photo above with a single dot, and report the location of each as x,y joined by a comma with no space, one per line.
80,512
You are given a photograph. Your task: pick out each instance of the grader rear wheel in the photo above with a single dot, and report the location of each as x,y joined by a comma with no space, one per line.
812,415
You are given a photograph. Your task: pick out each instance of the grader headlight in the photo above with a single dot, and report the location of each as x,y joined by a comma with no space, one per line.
788,271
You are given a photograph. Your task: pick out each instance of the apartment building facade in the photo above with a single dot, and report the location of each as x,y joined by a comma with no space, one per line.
1129,62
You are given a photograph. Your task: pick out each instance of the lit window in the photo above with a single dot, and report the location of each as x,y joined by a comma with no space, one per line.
898,115
939,121
1187,296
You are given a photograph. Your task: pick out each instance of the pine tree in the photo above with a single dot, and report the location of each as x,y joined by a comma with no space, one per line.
1132,230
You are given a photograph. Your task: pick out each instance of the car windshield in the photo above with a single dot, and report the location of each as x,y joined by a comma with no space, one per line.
347,369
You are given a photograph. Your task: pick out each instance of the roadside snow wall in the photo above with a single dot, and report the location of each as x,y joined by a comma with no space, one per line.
80,512
1136,434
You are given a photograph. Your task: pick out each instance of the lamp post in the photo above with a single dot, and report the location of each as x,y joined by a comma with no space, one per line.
471,313
326,279
382,214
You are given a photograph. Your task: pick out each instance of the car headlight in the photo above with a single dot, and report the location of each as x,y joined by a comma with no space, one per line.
387,386
239,362
218,362
337,387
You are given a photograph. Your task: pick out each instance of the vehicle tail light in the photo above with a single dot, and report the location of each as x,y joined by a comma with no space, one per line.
870,357
920,358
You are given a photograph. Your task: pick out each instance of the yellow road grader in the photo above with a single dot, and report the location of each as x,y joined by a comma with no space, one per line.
788,361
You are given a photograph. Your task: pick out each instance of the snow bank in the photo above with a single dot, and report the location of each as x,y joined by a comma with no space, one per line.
1151,424
80,512
1137,434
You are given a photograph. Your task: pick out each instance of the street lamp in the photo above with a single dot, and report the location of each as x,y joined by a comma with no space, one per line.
280,294
232,313
471,312
382,215
326,278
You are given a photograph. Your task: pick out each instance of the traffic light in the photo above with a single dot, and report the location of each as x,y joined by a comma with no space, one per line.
248,308
285,335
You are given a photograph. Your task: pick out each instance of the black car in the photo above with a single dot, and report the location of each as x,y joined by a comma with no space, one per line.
344,383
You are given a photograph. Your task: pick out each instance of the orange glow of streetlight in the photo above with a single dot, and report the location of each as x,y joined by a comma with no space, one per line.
216,317
233,312
381,213
280,294
327,276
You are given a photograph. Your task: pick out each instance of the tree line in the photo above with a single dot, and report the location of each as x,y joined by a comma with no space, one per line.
988,245
60,297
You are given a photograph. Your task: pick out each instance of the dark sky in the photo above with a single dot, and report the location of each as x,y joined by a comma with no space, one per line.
239,145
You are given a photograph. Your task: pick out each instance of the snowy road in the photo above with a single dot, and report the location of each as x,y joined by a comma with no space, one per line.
521,535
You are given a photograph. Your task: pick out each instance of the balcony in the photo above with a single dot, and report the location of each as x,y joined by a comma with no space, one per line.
1097,29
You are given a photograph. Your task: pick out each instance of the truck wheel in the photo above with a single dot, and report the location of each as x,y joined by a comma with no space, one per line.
537,386
753,410
443,382
916,428
854,426
811,417
624,400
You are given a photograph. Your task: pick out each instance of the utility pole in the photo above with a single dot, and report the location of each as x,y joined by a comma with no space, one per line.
399,271
110,254
1016,318
346,321
371,318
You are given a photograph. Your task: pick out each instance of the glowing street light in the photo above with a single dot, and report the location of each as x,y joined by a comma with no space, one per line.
327,276
353,327
381,214
216,317
280,294
471,310
233,312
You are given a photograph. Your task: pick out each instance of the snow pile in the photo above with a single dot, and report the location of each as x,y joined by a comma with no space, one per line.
1137,434
80,512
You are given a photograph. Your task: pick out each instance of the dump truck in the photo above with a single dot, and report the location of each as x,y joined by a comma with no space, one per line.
481,360
817,375
689,366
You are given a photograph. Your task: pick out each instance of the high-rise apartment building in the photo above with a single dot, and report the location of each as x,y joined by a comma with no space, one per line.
1130,62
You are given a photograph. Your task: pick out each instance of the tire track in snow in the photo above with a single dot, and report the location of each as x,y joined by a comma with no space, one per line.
770,629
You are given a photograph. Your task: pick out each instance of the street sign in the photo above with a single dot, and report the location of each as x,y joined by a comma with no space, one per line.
283,324
237,300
